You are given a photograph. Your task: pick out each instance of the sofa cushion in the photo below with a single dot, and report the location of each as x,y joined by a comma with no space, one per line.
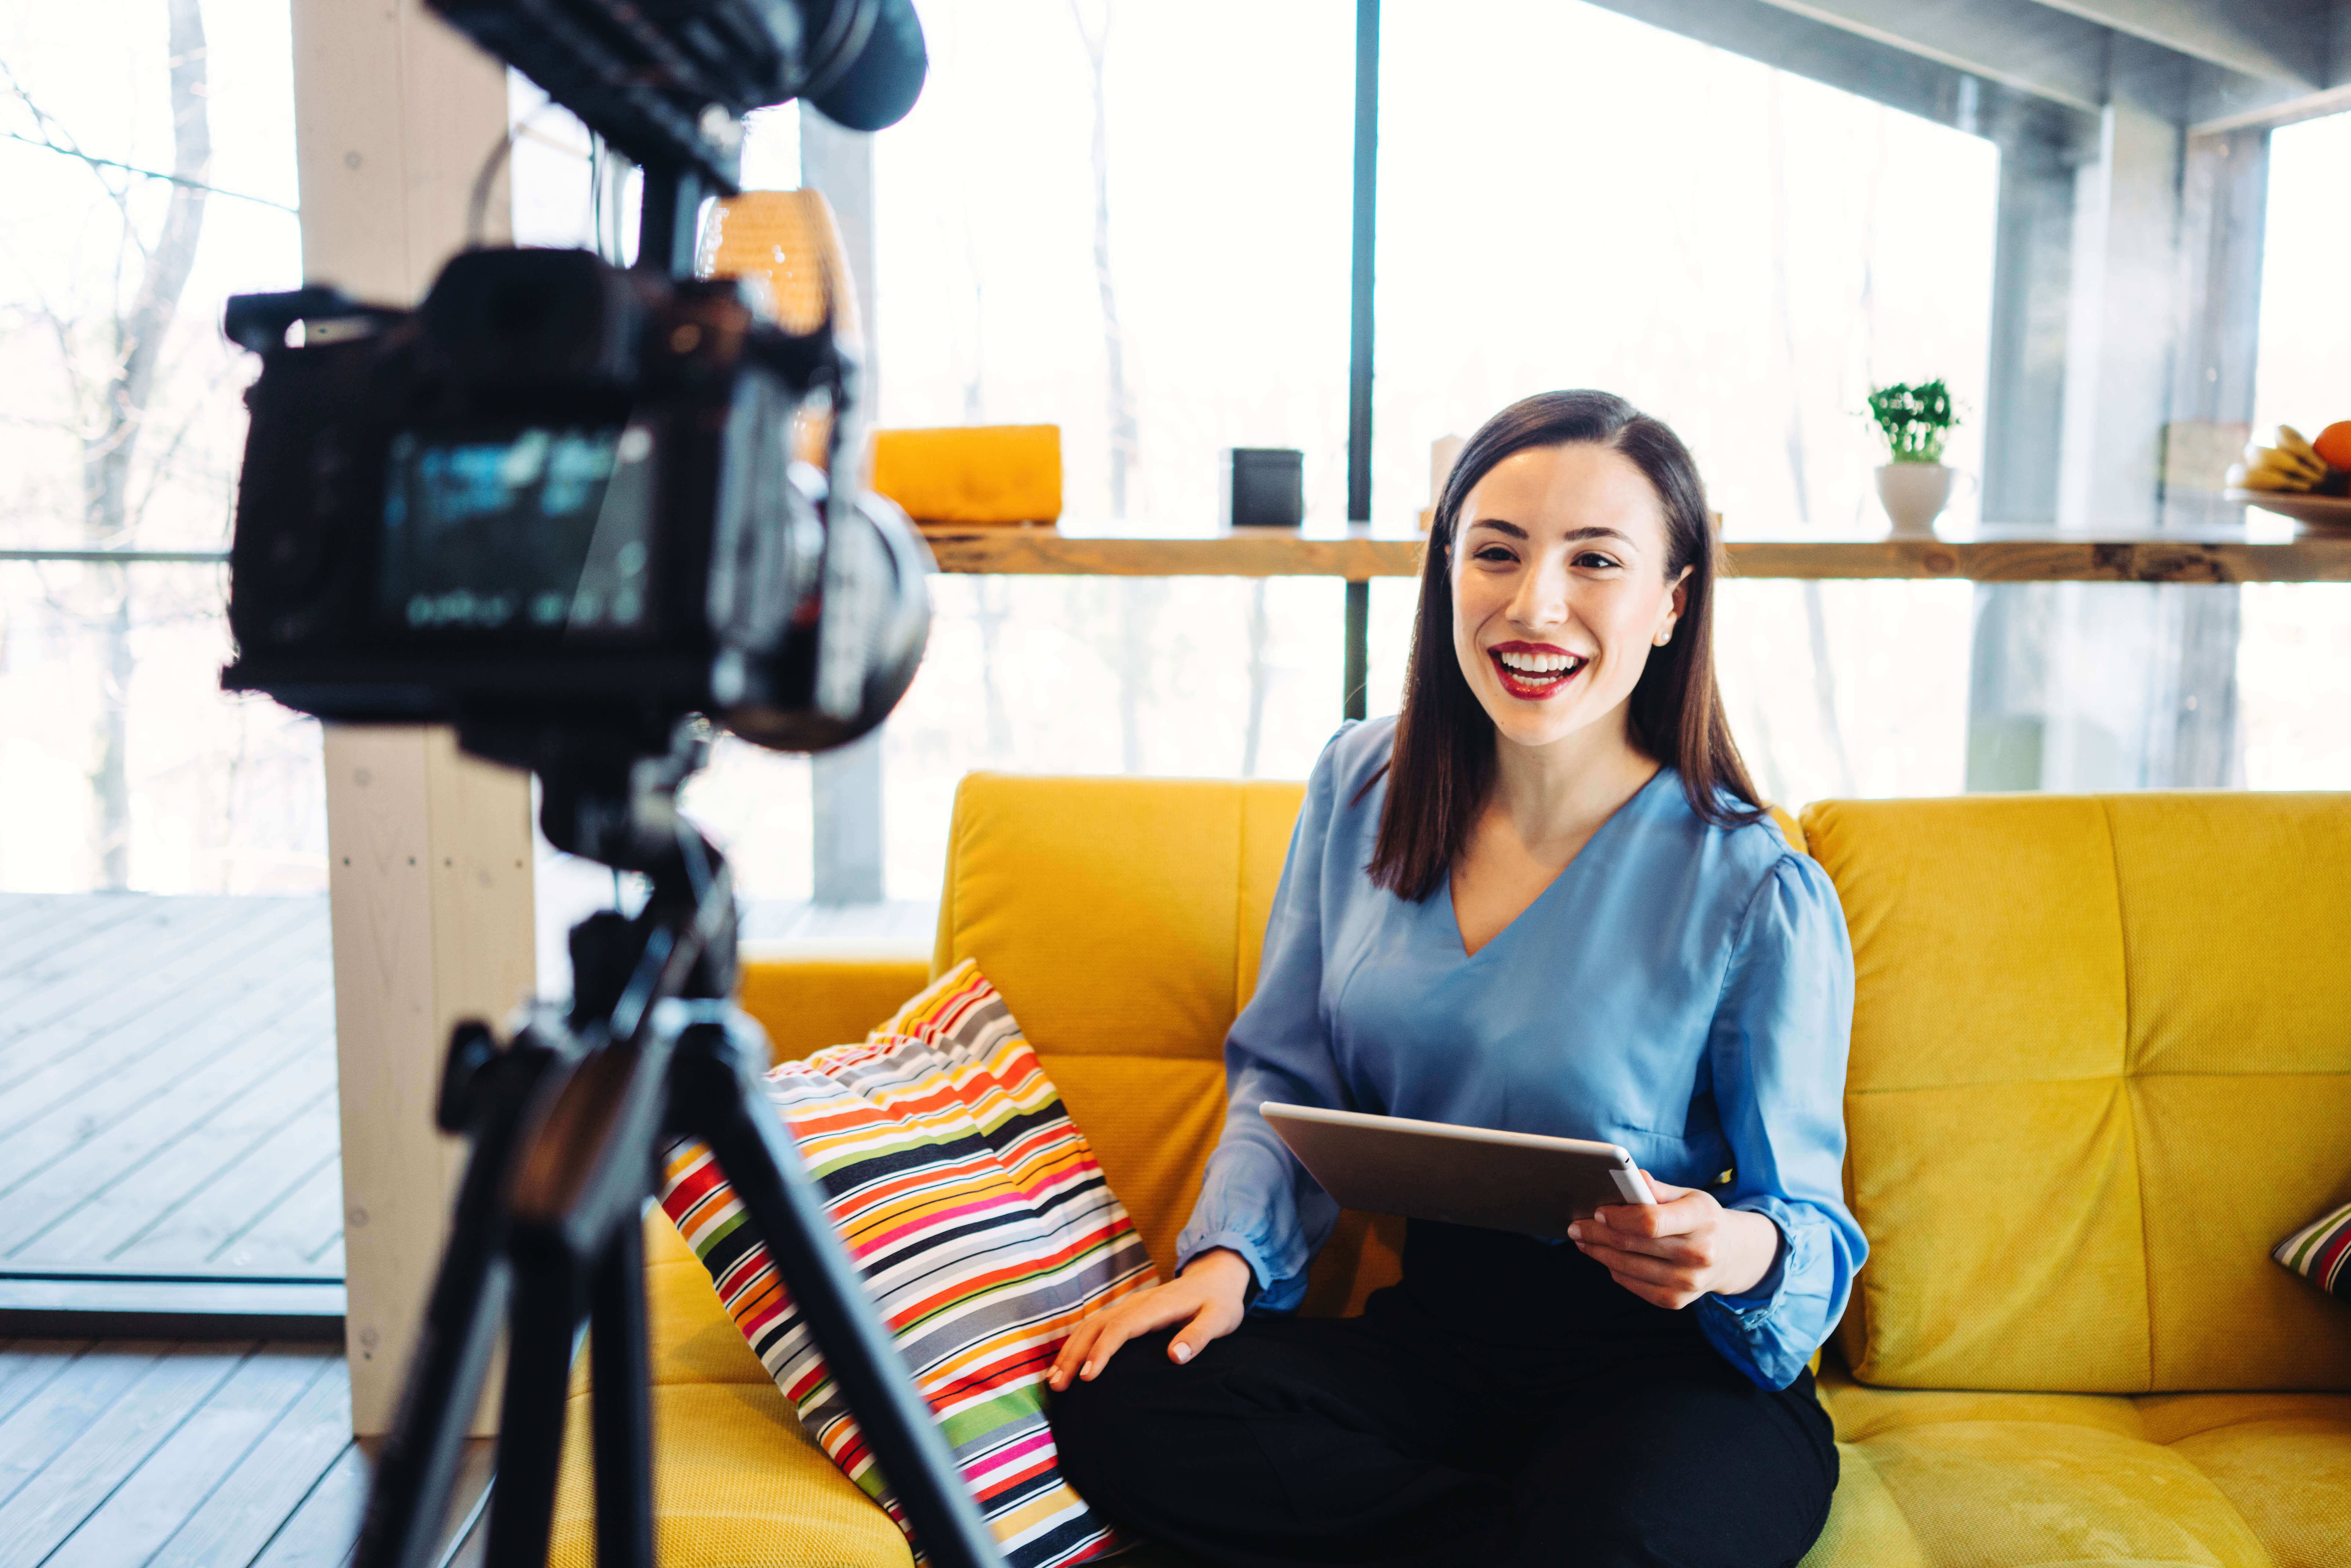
1951,1480
2101,1057
1120,916
736,1484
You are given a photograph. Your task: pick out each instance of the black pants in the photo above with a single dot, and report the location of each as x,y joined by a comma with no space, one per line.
1508,1403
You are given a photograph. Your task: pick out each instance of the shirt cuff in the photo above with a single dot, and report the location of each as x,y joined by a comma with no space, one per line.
1260,1277
1754,1306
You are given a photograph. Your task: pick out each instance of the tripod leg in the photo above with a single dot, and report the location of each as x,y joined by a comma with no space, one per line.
530,1420
451,1361
624,1419
718,1101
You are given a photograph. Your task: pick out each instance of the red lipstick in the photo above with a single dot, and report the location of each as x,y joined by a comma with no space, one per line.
1535,671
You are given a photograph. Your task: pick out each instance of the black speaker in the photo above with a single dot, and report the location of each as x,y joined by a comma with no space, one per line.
1265,487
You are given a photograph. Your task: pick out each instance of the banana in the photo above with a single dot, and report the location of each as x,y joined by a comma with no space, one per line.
2291,440
2243,477
2292,470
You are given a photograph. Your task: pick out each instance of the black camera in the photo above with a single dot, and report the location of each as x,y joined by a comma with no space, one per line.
563,505
561,496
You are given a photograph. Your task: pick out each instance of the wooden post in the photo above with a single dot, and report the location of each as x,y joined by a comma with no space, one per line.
429,852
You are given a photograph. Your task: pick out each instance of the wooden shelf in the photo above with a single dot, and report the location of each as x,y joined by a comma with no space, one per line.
1357,557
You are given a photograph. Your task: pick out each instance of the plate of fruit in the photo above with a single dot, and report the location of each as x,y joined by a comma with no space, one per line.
2309,481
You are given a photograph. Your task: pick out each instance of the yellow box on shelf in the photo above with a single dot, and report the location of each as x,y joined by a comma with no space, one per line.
972,473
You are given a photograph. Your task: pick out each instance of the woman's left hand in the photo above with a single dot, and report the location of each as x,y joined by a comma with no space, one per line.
1683,1247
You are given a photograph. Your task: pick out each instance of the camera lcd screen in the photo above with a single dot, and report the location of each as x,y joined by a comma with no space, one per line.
537,533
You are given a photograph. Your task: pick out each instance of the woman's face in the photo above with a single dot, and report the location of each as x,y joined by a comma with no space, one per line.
1559,591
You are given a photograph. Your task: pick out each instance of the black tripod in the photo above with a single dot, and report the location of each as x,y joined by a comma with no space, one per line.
567,1123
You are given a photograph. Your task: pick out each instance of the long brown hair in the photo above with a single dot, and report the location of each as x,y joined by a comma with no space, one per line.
1442,763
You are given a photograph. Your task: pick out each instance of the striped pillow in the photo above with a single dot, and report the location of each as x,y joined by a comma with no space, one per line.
982,1226
2321,1251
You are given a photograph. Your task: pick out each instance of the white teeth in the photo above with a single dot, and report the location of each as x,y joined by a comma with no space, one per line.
1540,663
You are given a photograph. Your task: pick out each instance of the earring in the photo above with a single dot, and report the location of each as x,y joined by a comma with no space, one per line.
1664,636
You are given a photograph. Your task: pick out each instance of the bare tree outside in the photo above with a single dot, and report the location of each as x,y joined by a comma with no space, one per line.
111,364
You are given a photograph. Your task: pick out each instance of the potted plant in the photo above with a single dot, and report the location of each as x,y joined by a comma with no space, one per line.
1914,485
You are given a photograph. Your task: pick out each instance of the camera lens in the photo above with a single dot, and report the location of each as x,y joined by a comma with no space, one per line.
876,73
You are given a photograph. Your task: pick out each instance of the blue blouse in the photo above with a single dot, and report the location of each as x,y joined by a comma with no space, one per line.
1682,989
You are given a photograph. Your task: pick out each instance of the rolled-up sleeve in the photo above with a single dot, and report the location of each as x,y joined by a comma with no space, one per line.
1256,1198
1777,1052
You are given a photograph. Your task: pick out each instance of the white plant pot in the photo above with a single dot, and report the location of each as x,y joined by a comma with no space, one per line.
1914,495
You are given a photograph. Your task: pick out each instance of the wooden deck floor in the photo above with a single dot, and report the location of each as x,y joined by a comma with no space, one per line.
190,1454
167,1078
167,1086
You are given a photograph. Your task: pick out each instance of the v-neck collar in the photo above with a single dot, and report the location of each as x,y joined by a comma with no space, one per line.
1452,919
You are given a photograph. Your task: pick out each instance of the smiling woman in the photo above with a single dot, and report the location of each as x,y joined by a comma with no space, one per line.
1572,532
1538,901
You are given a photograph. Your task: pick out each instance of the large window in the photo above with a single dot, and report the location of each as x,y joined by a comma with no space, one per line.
121,764
2294,661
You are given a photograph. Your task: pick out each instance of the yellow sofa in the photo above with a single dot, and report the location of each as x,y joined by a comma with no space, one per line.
2101,1063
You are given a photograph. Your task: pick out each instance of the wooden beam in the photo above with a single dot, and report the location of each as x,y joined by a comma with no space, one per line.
2277,40
1863,47
2017,43
429,852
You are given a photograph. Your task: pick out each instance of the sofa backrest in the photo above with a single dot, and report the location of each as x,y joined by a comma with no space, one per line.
1120,918
2101,1065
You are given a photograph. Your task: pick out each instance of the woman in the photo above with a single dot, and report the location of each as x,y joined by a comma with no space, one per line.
1543,898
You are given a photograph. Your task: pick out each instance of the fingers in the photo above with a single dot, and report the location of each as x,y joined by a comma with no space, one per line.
1685,1209
1673,1301
1665,1191
1097,1338
1194,1337
1074,1351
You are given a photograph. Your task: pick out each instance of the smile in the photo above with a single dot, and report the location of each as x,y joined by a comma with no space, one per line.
1535,671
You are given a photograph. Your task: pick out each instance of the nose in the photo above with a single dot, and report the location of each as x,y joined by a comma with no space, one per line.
1541,602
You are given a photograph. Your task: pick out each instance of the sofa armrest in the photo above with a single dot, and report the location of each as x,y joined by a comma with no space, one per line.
806,1004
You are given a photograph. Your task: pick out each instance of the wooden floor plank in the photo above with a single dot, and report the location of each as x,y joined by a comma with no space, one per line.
76,1396
155,1500
27,1365
66,925
125,965
29,917
118,1123
206,1183
307,1223
156,1117
280,956
81,1475
218,1228
72,1069
324,1529
229,1528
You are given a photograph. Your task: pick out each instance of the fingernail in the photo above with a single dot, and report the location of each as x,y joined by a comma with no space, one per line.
1087,1372
1183,1353
1576,1232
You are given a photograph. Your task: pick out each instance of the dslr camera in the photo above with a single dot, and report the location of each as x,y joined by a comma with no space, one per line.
562,505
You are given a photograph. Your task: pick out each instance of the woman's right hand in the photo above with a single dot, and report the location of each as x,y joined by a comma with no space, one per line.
1206,1298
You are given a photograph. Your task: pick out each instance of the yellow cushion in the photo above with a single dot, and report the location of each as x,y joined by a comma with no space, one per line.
1943,1479
1119,916
2101,1057
808,1004
736,1484
972,473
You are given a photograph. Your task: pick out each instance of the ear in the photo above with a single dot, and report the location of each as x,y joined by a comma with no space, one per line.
1680,596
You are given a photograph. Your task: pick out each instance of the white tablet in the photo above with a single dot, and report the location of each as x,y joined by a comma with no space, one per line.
1463,1176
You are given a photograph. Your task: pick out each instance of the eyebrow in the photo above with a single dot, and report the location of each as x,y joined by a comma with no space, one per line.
1517,532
